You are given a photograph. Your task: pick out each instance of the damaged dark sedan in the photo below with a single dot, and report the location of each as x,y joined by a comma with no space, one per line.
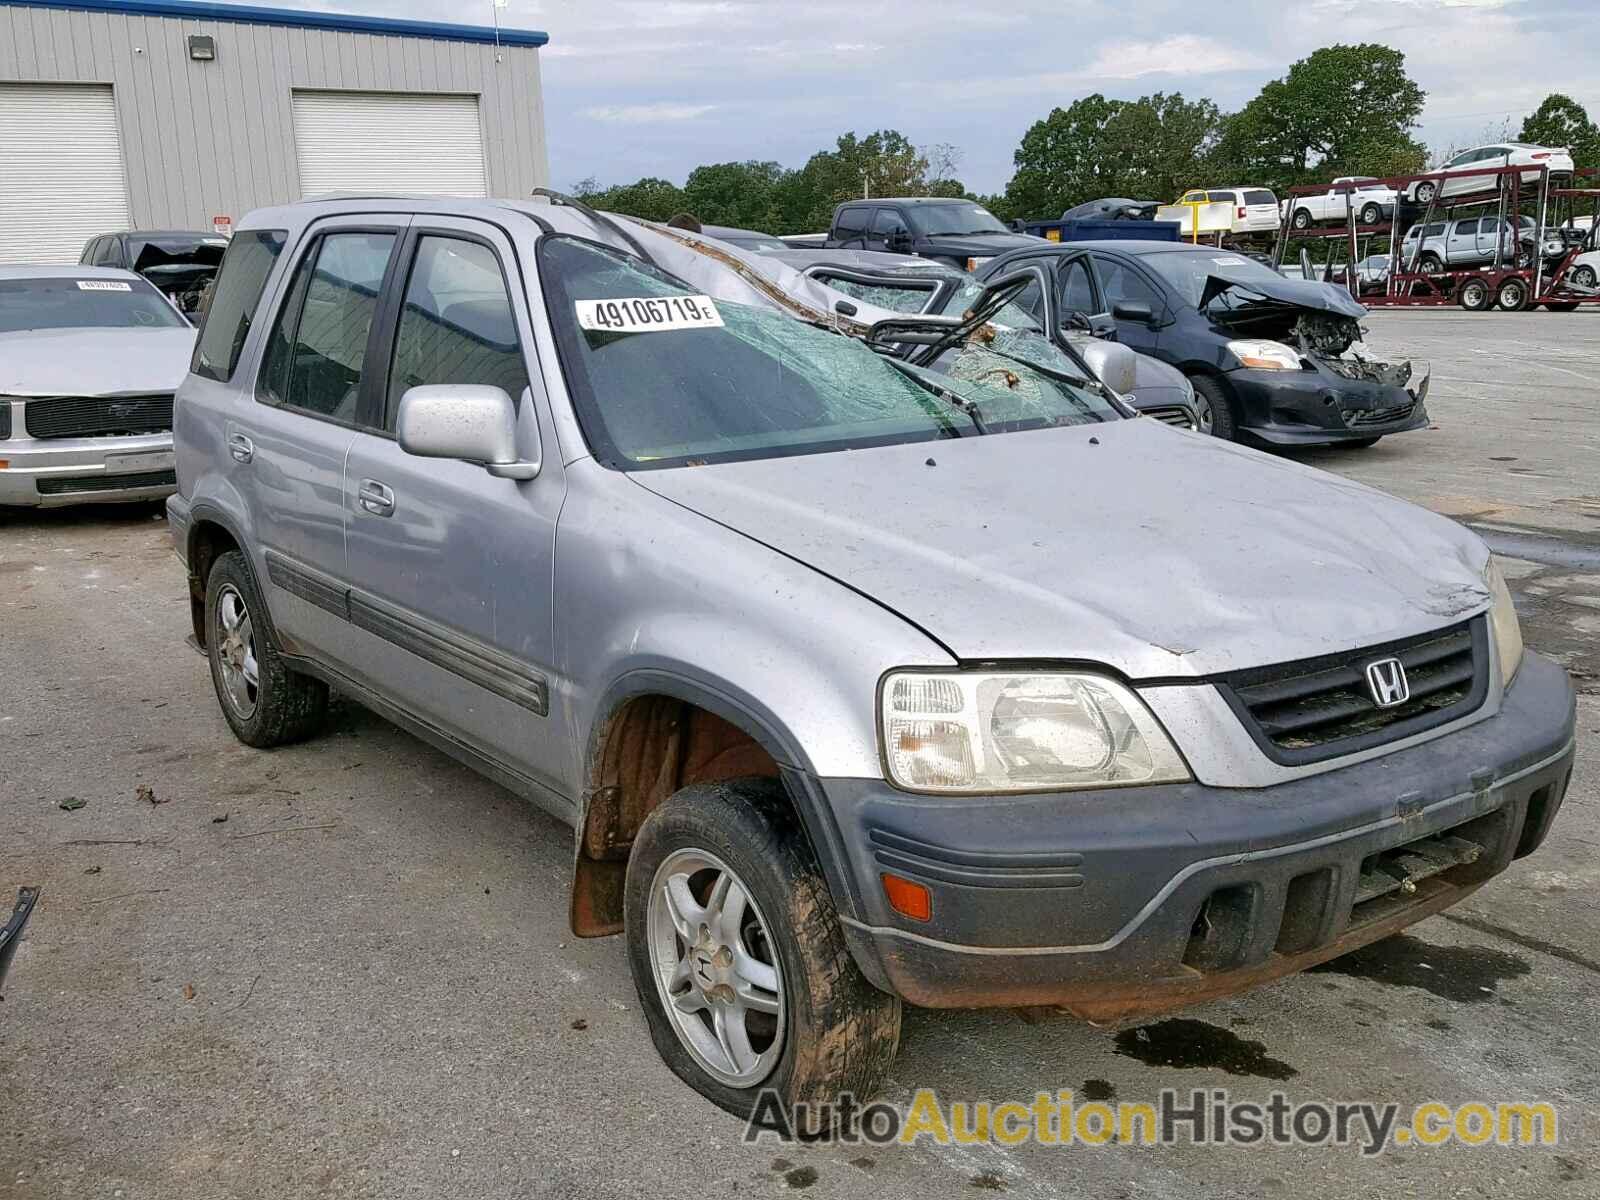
181,263
1279,361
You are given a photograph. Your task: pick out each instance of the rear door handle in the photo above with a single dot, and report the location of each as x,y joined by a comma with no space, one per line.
376,498
241,448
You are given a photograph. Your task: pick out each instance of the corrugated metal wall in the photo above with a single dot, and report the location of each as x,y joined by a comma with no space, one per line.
202,139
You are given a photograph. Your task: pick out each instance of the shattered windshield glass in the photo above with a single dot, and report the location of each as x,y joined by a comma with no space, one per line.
662,376
896,297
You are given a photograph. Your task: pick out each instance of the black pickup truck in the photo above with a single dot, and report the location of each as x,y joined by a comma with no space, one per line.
959,232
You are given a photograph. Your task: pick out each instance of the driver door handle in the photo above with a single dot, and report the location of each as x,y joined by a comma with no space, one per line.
376,498
241,448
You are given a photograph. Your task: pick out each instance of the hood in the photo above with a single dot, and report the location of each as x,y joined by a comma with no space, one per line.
1155,552
1282,292
94,362
987,246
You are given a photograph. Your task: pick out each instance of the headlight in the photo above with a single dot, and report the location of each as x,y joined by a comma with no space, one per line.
1503,624
992,732
1268,356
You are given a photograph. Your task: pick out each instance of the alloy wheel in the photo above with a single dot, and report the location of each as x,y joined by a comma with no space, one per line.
236,652
715,968
1204,418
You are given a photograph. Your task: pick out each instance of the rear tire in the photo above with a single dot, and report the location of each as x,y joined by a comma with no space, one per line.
264,701
1425,193
1512,295
1475,295
1224,422
832,1031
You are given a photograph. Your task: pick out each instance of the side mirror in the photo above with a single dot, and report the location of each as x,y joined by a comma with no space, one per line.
466,421
1133,310
1114,364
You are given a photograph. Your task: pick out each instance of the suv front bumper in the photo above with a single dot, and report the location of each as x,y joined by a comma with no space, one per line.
1124,902
45,472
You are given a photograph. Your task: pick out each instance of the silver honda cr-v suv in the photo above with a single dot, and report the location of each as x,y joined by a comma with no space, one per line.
860,684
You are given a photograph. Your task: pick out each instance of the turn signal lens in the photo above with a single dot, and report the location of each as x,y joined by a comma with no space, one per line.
907,898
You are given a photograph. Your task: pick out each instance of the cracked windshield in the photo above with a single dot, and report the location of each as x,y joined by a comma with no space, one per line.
757,383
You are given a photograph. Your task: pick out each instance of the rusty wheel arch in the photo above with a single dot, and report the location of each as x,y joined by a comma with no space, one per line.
650,745
208,541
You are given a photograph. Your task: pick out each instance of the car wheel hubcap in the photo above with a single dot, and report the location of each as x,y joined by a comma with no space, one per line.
1202,413
715,968
1584,277
236,652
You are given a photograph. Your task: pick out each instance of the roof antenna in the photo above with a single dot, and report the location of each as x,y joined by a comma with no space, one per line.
599,218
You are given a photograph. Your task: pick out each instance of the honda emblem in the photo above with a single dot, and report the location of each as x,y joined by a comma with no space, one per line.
1386,678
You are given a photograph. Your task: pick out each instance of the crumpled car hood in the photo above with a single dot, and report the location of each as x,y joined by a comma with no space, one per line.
94,362
1155,552
1293,293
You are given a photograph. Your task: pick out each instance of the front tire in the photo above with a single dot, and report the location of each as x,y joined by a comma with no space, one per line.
739,958
1213,392
1371,214
1430,263
265,703
1302,218
1584,276
1425,193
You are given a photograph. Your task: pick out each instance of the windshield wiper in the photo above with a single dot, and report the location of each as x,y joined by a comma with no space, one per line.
967,408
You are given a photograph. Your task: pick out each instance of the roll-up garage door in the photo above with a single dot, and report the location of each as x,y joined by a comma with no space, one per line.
371,141
61,179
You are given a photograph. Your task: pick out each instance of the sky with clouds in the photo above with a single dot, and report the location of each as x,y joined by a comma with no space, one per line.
657,87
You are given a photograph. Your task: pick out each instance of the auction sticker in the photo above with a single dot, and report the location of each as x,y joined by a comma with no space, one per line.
104,285
1228,262
648,314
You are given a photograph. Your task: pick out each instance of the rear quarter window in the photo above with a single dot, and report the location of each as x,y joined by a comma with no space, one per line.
235,296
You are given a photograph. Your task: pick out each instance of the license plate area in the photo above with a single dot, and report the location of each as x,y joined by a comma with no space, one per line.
146,460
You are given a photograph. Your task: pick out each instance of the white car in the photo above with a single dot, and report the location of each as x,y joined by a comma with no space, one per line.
1373,203
89,361
1223,210
1461,181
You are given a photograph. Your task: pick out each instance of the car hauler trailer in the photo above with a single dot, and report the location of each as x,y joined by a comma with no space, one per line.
1524,277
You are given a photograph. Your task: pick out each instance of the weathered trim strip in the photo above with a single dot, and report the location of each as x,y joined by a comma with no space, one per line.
460,655
309,584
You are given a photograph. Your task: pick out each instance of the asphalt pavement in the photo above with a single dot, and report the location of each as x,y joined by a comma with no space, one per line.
344,969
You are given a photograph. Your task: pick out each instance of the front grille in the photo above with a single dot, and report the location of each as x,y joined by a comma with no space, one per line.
69,485
97,416
1377,416
5,419
1321,708
1175,415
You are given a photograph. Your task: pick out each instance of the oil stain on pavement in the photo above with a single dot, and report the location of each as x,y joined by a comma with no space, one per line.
1188,1044
1465,974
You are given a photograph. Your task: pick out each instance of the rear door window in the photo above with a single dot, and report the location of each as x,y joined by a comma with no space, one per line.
235,296
1260,196
318,347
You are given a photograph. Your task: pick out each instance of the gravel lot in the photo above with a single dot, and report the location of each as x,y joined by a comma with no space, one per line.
343,969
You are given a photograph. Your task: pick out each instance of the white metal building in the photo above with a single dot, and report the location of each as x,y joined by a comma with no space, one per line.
171,114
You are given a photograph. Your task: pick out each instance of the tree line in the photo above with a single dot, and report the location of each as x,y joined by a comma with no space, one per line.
1342,110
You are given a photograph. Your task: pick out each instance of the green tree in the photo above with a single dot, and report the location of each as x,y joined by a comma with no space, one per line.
733,193
884,163
1562,121
1341,110
650,199
1150,148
